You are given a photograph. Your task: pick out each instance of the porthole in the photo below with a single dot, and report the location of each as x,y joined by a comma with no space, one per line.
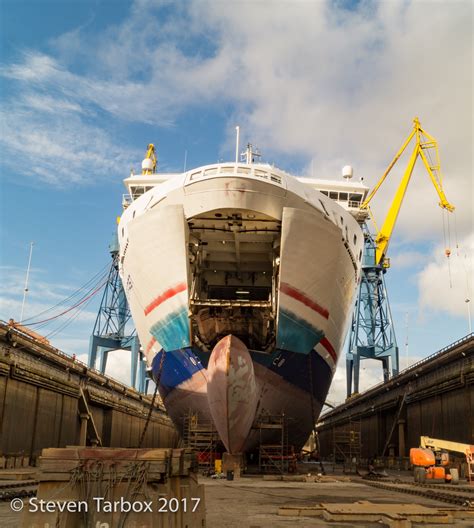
355,240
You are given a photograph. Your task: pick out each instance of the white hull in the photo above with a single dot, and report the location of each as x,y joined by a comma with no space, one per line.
287,241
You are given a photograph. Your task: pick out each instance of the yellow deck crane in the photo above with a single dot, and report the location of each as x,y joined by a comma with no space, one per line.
371,332
150,161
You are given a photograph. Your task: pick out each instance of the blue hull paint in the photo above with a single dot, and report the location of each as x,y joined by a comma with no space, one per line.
305,371
179,365
172,332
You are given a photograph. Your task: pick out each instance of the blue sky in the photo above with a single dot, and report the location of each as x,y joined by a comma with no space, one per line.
86,85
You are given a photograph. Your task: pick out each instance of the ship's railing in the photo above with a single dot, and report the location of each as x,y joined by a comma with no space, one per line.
230,303
239,171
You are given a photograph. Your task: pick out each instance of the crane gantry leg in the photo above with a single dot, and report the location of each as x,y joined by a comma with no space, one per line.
109,331
371,334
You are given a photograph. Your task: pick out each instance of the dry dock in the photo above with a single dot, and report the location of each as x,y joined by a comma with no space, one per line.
47,400
434,397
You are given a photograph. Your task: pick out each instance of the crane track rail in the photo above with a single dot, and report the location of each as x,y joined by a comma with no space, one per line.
426,491
449,487
26,488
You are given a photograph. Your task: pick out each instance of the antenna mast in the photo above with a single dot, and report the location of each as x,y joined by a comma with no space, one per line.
237,141
25,289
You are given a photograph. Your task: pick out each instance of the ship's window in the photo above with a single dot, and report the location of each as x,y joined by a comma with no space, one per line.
210,172
137,191
333,195
342,220
325,193
324,207
355,240
243,170
360,254
347,234
275,178
355,197
133,214
261,174
122,231
343,197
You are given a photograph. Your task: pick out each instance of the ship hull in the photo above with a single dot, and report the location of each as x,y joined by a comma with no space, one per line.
297,390
295,257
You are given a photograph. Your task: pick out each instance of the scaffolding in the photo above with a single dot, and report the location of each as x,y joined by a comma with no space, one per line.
347,446
201,436
278,457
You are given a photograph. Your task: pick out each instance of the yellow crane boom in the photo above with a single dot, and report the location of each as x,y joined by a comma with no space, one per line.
424,143
436,444
149,163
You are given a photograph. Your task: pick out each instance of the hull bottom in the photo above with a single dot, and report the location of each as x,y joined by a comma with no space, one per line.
287,383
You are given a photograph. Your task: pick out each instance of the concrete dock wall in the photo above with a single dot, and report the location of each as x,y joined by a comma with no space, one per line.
435,398
47,399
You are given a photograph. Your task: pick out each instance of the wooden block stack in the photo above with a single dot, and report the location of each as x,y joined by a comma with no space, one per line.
158,486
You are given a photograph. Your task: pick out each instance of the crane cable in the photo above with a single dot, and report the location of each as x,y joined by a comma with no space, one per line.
95,280
447,244
81,301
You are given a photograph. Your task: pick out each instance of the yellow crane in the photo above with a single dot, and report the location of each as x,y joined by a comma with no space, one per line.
425,145
149,163
371,333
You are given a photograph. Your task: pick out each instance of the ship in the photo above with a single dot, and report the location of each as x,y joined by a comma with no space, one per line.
240,279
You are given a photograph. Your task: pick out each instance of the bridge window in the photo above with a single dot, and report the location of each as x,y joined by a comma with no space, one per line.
343,197
325,193
355,197
333,195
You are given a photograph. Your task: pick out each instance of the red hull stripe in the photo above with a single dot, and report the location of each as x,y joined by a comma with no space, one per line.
165,296
150,344
327,345
301,297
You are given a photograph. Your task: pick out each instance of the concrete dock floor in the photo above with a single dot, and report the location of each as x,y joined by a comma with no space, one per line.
253,502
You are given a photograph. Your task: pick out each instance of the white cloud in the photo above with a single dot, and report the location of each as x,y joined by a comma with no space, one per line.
331,84
445,284
406,258
118,365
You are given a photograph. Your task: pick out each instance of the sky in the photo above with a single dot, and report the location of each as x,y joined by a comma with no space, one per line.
86,85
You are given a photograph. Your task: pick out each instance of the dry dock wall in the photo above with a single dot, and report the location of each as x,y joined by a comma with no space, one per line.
434,397
47,399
